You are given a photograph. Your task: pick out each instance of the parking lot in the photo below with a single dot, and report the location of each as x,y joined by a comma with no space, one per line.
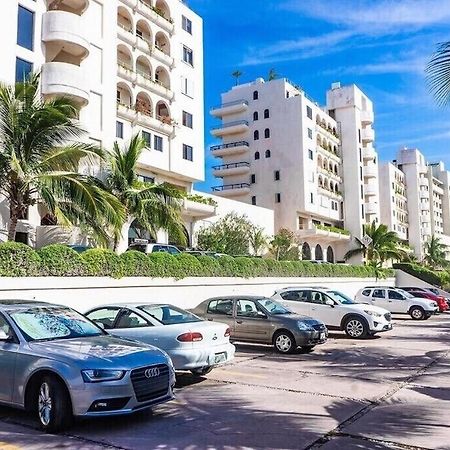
391,391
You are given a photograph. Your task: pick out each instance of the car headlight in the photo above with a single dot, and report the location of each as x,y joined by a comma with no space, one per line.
373,313
303,326
99,375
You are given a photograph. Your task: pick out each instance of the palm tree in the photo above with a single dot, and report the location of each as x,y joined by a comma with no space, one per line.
237,74
435,253
272,75
154,206
257,240
385,245
438,71
40,155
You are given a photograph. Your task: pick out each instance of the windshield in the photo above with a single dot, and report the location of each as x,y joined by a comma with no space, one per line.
48,323
169,315
340,298
406,294
272,306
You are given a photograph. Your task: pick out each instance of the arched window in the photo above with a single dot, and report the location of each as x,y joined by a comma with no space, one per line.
256,155
319,253
266,114
306,252
255,135
267,133
330,254
268,154
255,115
255,95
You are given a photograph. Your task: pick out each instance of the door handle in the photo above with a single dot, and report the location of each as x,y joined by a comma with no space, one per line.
238,321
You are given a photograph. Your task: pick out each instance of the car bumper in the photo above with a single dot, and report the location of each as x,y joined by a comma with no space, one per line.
378,325
194,358
303,338
115,398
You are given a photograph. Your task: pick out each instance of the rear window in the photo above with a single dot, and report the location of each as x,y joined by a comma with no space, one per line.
224,307
169,315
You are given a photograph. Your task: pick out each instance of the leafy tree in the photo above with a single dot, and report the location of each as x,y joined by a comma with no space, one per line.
237,74
385,245
284,246
230,235
155,206
438,71
40,155
435,253
258,240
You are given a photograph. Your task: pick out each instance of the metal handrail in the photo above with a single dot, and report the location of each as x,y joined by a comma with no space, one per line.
230,124
227,187
235,102
229,145
231,165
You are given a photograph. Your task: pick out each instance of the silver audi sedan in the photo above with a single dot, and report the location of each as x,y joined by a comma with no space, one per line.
58,364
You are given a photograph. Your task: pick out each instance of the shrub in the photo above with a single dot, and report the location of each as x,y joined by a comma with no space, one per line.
58,260
164,265
424,274
101,262
210,266
228,265
18,260
136,264
187,266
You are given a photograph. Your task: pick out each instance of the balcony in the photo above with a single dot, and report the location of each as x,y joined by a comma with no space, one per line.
225,109
369,153
423,182
424,206
143,44
160,124
237,168
370,190
371,208
162,57
328,193
232,148
65,79
323,233
125,34
63,32
367,135
367,117
152,14
145,81
370,171
240,126
131,3
424,194
126,112
232,190
425,218
126,72
76,6
196,209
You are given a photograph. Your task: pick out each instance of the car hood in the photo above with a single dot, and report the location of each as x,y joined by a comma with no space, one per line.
298,317
423,301
105,350
364,307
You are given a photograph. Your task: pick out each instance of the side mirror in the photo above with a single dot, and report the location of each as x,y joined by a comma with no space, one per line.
261,315
329,302
4,337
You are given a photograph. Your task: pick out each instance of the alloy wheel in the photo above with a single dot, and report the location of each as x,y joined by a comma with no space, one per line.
283,343
416,313
44,404
355,328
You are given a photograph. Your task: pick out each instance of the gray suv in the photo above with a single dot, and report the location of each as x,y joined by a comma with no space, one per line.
265,321
59,364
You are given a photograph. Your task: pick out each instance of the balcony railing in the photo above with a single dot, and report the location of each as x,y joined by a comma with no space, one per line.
231,166
227,187
230,124
234,103
229,145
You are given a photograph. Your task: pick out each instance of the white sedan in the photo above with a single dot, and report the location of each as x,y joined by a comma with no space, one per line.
192,343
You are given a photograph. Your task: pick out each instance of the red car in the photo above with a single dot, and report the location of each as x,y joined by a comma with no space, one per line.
422,293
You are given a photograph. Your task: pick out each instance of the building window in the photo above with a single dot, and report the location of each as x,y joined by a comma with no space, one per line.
256,155
360,173
362,211
187,119
360,155
359,136
145,179
268,154
256,135
252,178
267,133
147,138
310,154
277,197
255,95
253,200
311,198
186,24
276,175
23,69
188,55
158,143
119,129
188,153
255,115
25,28
287,94
266,114
310,134
187,87
309,112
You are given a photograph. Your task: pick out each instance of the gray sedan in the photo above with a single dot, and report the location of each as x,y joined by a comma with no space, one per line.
263,320
56,362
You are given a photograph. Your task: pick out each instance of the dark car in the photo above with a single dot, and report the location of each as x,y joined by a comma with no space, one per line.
425,293
265,321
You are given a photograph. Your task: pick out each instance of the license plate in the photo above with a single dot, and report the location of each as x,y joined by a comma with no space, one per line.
322,336
220,358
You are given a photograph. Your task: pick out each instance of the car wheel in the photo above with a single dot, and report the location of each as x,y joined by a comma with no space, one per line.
356,328
201,371
53,405
307,348
284,342
417,313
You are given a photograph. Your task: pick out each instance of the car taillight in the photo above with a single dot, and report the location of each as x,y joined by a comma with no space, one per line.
190,337
227,332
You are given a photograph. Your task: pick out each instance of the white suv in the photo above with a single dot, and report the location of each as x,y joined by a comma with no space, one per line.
154,248
336,310
397,301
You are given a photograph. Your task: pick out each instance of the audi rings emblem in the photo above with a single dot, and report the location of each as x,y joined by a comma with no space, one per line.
152,372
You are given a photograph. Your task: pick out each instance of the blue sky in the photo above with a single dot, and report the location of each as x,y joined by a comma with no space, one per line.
382,46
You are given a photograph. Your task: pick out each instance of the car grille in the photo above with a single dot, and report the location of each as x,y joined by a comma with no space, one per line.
319,327
149,388
387,316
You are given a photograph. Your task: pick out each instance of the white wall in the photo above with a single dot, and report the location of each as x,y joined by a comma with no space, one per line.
85,293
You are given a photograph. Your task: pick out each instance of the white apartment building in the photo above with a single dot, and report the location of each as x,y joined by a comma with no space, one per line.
133,66
353,110
280,150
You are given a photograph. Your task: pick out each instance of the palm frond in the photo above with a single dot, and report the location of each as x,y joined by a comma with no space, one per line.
438,73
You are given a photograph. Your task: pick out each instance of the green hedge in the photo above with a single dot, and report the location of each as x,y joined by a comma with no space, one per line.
18,260
441,278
